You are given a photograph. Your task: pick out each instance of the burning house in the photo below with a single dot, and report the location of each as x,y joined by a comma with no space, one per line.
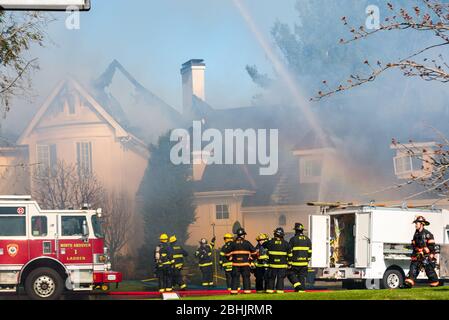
86,125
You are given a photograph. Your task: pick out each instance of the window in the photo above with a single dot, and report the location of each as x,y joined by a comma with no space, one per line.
84,157
222,211
96,223
282,220
72,226
12,226
46,157
312,168
39,226
71,108
402,165
71,101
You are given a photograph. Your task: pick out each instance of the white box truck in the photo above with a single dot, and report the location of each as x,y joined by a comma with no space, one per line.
371,244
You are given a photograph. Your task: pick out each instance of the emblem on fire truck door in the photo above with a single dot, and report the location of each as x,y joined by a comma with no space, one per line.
13,249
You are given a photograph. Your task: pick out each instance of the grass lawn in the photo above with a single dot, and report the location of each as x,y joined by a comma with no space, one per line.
441,293
420,293
129,285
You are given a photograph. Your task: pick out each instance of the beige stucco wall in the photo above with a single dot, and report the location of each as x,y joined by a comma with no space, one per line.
119,162
255,220
206,215
266,219
14,172
117,166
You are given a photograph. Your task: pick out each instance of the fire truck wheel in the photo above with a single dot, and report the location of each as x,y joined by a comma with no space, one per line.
44,284
392,279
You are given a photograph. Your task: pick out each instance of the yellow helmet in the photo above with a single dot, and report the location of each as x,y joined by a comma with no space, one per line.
163,237
173,239
262,236
228,237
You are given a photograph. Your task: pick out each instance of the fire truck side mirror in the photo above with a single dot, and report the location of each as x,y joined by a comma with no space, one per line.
85,231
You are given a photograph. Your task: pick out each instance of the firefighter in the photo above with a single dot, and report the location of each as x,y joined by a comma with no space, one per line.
278,250
299,257
261,263
225,263
178,255
163,257
205,261
423,255
240,252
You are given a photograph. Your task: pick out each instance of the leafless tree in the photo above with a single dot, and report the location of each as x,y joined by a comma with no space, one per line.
430,16
18,32
117,221
65,186
433,17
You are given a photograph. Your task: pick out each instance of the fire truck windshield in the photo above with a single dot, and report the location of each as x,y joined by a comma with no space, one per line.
96,223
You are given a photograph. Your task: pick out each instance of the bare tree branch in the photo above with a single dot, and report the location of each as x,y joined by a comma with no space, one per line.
435,19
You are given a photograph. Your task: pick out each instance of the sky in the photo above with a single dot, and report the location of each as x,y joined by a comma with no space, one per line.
152,38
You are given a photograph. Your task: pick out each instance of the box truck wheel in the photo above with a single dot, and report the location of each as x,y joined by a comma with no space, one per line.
393,279
44,284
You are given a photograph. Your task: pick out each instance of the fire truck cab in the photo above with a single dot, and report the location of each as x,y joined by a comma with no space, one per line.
50,251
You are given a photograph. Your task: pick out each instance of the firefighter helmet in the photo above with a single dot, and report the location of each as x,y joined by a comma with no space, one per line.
261,237
240,232
163,237
173,239
279,232
203,241
422,220
228,237
299,227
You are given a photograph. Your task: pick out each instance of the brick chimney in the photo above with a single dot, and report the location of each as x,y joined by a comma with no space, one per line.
192,83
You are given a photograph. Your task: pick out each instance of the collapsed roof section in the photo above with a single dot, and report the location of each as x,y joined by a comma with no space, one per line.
136,117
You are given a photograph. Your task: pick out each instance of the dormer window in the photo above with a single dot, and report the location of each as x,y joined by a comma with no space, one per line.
413,160
403,165
312,167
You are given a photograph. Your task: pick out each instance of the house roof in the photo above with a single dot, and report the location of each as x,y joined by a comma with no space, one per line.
310,140
278,189
134,116
120,132
225,177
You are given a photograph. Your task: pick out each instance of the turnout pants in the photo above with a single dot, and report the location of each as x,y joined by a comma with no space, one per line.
276,277
208,274
261,278
177,278
245,272
228,275
415,268
298,276
164,277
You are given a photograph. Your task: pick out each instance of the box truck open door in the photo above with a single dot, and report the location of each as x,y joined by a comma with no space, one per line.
362,239
319,235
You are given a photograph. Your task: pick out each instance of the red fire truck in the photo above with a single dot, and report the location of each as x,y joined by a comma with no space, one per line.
50,251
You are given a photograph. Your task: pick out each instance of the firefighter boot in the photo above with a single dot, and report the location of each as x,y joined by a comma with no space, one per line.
408,284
